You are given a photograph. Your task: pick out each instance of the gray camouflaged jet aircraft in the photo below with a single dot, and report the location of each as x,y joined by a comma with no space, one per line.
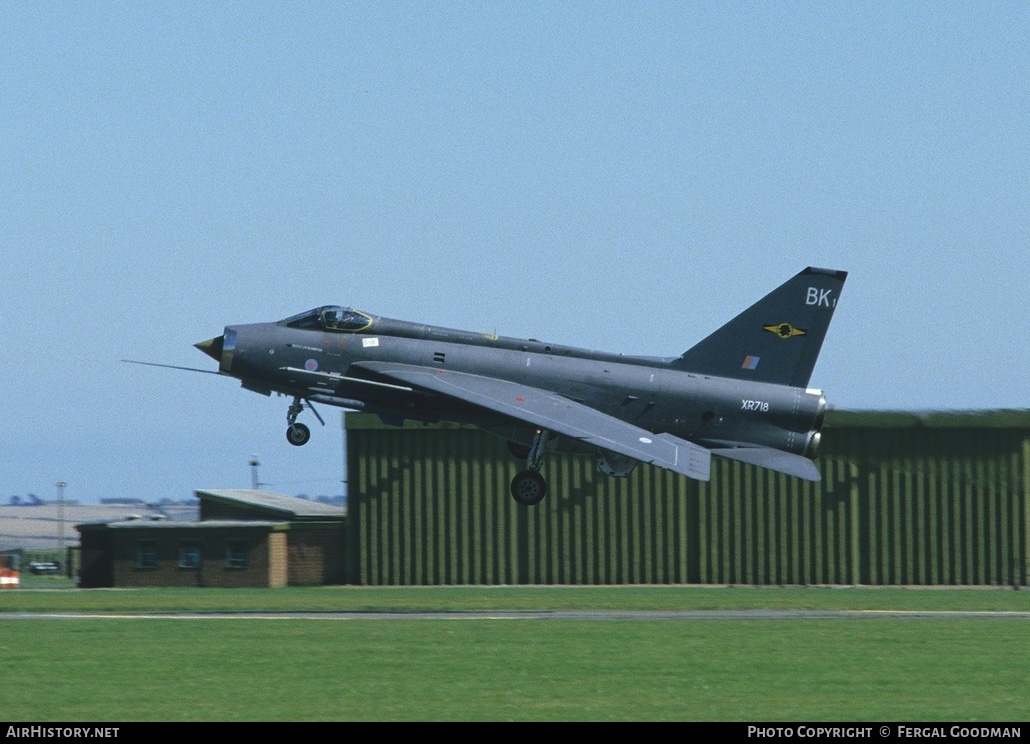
741,393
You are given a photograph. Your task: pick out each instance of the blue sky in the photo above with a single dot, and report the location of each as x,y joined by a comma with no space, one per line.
617,176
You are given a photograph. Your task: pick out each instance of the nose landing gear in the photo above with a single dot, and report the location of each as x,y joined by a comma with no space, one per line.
299,434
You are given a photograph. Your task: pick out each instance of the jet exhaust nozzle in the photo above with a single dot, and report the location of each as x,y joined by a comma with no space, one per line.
812,447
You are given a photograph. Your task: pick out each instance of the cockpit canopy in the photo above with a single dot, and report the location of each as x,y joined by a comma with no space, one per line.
331,318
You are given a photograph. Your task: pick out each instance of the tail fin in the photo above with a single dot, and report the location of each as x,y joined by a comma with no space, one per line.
777,339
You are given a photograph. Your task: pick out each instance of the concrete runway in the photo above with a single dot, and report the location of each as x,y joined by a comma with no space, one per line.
582,615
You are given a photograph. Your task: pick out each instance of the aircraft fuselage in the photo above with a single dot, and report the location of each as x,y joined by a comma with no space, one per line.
273,357
741,393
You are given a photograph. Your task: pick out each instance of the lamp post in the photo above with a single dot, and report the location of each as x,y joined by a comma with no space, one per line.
254,483
60,516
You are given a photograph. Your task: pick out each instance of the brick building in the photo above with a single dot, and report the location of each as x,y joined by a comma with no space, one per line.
243,539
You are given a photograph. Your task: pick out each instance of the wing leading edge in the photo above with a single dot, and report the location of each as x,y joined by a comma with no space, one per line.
555,413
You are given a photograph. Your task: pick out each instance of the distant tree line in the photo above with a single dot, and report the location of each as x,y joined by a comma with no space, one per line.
30,500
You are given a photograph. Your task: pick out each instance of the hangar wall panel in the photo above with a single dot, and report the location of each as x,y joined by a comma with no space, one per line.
939,505
904,500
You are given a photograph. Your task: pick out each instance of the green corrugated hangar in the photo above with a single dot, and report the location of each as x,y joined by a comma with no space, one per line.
906,499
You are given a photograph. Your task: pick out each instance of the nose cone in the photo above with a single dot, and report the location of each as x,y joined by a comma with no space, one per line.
212,347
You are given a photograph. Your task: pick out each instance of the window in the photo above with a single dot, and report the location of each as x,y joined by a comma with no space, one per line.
307,321
146,554
344,319
236,555
189,555
330,318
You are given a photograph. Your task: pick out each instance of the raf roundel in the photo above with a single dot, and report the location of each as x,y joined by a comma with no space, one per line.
311,365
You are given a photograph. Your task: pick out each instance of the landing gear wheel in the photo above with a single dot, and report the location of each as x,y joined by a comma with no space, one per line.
528,488
298,434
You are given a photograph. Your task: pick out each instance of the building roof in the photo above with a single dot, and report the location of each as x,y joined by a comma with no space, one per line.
1003,418
274,505
151,524
993,419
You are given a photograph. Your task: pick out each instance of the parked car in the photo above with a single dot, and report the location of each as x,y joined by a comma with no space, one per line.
44,567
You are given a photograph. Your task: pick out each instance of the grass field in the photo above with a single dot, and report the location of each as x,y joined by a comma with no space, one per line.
249,669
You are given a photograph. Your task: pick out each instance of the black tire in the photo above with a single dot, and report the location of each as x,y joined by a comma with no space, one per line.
528,488
298,435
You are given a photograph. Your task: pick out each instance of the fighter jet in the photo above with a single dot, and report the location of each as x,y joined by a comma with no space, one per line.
741,393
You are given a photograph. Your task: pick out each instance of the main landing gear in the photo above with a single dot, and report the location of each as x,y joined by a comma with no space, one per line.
528,488
299,434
